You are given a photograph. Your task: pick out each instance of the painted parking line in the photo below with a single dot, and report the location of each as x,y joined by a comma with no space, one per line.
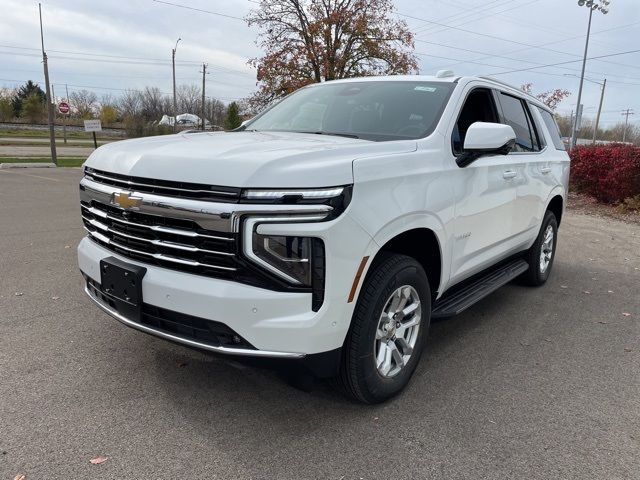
30,175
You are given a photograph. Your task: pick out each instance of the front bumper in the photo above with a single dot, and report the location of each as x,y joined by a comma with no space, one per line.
186,341
278,324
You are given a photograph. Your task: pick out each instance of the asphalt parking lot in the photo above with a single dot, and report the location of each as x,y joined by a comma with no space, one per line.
529,384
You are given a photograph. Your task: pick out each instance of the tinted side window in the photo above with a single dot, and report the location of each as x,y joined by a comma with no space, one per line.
515,115
535,126
552,126
478,107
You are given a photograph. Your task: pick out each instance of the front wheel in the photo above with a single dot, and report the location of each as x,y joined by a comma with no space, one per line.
542,253
388,330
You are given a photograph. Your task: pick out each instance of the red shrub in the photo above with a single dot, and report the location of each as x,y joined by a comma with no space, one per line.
610,173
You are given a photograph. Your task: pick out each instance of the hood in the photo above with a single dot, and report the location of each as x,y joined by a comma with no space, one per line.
243,159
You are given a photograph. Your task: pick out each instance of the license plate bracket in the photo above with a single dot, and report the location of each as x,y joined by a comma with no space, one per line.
122,283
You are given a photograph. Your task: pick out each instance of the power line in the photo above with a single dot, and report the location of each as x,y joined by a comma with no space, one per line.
199,10
540,47
474,17
558,41
568,61
124,60
458,16
96,87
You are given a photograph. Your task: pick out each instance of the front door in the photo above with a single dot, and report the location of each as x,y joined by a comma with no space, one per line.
485,194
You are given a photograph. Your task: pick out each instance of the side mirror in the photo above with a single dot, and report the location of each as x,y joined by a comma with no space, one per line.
484,138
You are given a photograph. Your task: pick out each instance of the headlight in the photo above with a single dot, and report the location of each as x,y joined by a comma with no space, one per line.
292,195
288,257
337,198
298,260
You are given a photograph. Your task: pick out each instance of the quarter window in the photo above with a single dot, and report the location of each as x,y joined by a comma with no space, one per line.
552,126
515,115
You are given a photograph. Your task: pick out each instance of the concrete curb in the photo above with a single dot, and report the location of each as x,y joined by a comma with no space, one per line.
27,165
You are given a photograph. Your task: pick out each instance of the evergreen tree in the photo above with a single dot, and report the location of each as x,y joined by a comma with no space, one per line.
233,119
32,108
23,93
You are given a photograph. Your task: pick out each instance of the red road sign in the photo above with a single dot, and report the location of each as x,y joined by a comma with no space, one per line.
64,108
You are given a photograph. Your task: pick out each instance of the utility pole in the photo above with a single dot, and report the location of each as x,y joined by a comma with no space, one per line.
626,113
204,110
53,97
595,128
52,134
175,103
64,119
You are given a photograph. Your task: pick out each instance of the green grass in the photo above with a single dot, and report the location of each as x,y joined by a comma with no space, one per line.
62,161
59,143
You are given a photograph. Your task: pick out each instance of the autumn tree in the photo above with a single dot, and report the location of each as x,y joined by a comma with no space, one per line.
309,41
108,114
6,109
551,98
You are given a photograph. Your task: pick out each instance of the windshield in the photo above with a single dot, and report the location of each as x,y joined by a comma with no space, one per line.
378,111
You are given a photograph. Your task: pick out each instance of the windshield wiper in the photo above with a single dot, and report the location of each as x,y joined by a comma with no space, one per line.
337,134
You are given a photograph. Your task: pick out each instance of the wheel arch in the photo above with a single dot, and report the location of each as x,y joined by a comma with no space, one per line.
556,205
422,244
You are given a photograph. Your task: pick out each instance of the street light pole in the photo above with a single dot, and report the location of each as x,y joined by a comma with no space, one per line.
591,5
173,64
595,128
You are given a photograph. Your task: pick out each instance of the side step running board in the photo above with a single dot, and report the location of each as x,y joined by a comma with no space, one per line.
459,299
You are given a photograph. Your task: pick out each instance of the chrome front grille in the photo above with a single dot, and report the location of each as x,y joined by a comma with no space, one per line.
165,187
194,235
169,242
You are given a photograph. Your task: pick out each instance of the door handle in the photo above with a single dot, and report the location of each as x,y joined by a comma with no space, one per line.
509,174
545,170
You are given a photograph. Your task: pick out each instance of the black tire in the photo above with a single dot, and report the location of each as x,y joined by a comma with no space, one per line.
359,377
535,276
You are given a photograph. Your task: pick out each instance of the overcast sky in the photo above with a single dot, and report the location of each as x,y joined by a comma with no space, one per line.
110,46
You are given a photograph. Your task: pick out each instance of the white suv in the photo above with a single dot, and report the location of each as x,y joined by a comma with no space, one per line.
330,229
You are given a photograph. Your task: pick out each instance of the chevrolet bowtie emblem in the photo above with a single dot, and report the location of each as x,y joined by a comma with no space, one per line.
125,200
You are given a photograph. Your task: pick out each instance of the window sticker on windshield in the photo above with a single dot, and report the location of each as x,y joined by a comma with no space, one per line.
421,88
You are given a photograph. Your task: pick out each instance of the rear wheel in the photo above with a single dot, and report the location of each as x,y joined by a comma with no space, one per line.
542,253
388,330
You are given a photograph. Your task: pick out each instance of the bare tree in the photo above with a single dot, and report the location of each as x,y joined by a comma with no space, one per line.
130,103
84,103
215,111
152,103
189,98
